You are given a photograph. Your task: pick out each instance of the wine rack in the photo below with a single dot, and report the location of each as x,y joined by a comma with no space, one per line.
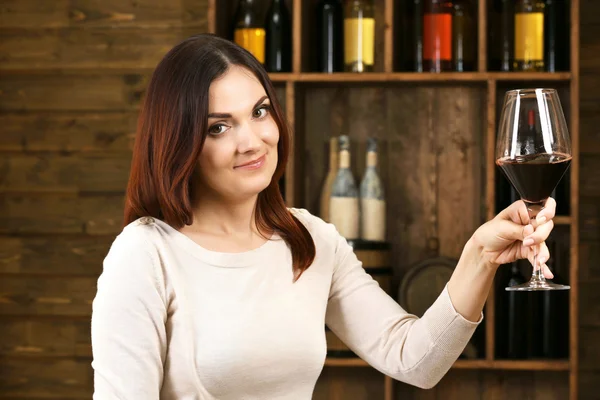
425,119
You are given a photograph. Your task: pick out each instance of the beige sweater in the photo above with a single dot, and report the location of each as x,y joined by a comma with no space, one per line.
172,320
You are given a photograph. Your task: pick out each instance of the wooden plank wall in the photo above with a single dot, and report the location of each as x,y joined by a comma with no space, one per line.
589,315
72,74
71,79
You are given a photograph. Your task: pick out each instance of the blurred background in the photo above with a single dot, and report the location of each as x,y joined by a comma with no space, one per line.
73,74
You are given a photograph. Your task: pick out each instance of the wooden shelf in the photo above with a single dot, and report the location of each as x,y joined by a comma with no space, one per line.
334,77
345,362
423,120
517,365
562,220
421,77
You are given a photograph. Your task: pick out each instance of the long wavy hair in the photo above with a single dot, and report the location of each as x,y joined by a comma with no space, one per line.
172,127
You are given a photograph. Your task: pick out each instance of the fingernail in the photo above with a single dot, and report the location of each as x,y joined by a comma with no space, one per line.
549,272
528,242
542,260
541,219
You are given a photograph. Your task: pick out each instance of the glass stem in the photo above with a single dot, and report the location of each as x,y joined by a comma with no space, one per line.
533,209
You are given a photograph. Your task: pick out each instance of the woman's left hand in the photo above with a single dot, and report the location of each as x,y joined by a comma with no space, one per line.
511,235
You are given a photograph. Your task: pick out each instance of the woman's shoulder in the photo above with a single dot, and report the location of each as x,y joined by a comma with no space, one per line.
137,237
317,227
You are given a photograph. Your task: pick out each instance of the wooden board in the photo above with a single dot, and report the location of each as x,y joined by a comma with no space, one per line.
70,48
45,337
50,92
590,186
337,383
53,172
589,296
589,256
539,385
57,296
588,385
589,353
54,254
51,214
46,378
69,132
104,13
456,385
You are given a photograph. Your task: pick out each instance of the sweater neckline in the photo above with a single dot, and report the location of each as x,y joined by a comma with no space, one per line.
216,258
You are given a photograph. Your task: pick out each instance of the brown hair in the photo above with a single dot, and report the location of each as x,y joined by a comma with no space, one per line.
171,130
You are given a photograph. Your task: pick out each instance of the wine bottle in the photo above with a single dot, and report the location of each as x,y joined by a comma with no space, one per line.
249,33
437,36
464,36
343,204
529,35
372,200
556,36
330,36
359,36
331,174
502,30
412,48
278,38
515,333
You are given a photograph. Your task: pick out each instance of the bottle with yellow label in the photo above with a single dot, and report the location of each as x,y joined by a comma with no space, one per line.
249,31
529,35
359,36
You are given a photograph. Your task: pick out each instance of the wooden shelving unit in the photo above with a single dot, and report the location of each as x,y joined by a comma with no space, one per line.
320,105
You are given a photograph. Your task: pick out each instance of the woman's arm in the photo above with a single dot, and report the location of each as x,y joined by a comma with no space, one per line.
499,241
128,324
420,351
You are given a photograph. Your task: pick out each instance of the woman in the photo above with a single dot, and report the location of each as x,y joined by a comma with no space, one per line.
215,290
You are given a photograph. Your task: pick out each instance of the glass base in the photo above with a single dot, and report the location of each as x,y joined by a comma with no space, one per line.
535,285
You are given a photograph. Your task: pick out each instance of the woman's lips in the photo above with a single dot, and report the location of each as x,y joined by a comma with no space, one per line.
255,164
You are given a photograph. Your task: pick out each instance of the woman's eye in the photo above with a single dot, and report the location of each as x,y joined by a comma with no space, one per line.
261,112
216,129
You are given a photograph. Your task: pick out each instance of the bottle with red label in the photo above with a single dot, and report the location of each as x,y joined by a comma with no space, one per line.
437,35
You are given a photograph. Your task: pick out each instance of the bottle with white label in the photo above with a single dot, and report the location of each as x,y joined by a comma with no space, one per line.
344,204
372,199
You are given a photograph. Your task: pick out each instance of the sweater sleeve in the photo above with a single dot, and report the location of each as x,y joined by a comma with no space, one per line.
128,324
418,351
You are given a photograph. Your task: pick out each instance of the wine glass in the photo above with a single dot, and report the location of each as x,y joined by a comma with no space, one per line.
533,150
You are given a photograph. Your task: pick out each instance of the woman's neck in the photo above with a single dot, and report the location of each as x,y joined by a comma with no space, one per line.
219,217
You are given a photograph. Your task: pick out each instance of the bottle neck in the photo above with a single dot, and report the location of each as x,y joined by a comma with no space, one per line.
371,159
344,159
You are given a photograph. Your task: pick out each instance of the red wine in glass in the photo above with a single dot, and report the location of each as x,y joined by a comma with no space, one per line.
533,150
535,176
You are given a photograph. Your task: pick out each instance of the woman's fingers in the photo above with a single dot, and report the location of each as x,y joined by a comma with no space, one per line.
517,212
539,235
542,257
511,231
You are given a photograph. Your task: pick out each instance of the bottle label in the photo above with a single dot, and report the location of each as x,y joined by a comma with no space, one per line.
344,214
437,37
359,40
372,219
529,36
253,40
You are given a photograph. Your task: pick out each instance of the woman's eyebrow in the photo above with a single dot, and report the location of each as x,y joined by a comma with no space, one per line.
227,115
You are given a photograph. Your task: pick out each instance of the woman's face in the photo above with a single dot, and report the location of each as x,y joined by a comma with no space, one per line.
239,155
